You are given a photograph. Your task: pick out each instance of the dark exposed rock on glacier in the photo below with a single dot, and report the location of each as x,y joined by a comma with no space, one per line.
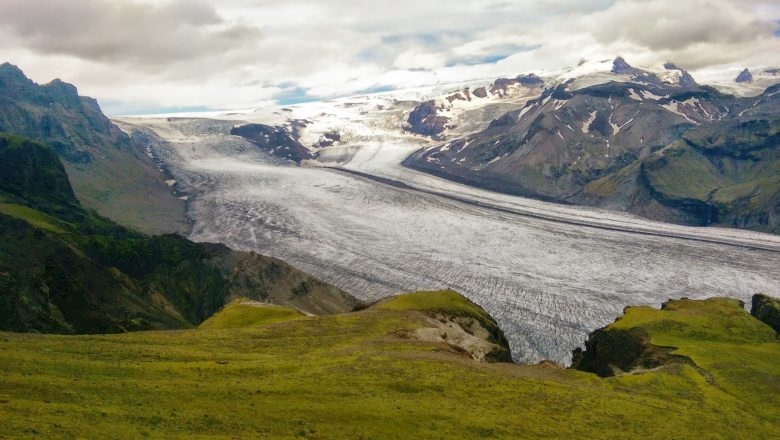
744,77
277,141
424,120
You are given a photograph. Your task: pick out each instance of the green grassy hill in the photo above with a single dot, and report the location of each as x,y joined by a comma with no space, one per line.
360,375
244,312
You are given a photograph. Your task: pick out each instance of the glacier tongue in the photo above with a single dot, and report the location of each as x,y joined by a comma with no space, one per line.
548,273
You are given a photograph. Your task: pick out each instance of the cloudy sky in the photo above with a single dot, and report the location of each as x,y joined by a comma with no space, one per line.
139,56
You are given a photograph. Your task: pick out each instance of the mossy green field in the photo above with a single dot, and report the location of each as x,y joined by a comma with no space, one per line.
353,376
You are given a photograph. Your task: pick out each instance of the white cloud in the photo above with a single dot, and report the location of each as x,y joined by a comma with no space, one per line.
418,60
184,53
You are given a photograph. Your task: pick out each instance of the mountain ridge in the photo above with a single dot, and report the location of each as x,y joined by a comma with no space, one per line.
109,173
577,145
64,269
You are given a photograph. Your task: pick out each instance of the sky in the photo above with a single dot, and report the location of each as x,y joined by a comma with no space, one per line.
152,56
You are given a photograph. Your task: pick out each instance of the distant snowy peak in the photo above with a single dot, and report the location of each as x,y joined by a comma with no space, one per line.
751,81
740,83
744,77
445,115
590,73
438,116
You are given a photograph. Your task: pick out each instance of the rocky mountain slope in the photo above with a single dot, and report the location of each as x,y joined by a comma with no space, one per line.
653,143
603,134
66,270
110,173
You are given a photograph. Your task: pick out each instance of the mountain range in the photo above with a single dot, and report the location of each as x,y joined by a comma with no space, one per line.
660,146
400,367
647,141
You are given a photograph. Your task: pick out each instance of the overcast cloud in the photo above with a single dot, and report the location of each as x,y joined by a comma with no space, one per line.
154,55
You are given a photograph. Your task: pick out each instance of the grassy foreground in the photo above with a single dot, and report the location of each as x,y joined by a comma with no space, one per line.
352,376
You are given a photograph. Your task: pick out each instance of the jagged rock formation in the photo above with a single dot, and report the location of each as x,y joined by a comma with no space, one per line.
685,80
425,121
56,114
277,141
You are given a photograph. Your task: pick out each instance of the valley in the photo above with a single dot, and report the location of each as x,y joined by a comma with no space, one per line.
548,273
434,220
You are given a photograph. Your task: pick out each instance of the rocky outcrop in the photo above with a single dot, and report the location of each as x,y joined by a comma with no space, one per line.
54,113
453,320
621,67
767,310
685,80
609,352
424,120
501,86
328,139
277,141
628,345
480,92
744,77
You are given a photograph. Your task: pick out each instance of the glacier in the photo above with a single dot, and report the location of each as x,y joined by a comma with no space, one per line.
355,217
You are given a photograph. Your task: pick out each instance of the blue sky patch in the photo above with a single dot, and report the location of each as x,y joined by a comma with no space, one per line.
294,95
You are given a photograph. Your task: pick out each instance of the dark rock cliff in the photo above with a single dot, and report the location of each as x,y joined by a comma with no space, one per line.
766,309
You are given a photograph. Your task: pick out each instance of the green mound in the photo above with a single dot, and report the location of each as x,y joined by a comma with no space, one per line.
244,312
357,375
444,301
450,305
733,353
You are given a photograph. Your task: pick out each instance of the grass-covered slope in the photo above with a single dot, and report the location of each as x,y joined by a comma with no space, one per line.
244,312
357,375
719,173
65,269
